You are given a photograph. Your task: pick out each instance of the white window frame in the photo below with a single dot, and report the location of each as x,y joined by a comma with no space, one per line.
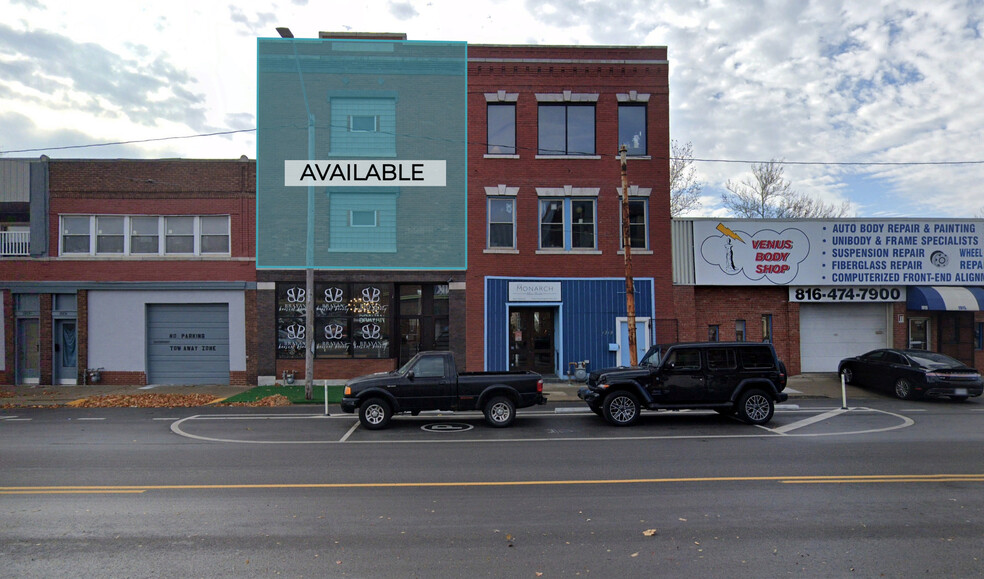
489,222
375,218
162,235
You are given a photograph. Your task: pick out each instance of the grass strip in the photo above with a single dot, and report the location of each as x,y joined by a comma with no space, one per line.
293,393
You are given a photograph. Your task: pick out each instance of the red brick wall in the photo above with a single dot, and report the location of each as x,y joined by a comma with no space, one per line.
581,72
722,306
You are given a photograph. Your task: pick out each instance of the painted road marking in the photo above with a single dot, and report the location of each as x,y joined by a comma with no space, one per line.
809,421
822,479
350,431
178,427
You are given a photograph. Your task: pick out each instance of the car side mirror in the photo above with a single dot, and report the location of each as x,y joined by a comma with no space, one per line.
410,375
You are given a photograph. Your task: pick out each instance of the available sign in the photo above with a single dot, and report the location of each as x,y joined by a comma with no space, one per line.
847,252
363,173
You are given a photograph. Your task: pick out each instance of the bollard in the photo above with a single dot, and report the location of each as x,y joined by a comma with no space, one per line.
843,392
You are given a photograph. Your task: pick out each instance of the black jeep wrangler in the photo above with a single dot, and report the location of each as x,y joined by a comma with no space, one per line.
743,378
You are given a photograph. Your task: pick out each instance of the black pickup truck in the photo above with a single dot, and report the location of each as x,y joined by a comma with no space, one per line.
431,381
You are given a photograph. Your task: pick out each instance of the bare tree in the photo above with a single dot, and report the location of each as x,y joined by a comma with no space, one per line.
769,195
685,188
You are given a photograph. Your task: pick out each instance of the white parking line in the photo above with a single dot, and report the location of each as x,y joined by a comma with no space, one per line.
350,431
809,421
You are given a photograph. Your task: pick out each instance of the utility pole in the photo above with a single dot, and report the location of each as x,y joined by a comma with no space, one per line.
626,247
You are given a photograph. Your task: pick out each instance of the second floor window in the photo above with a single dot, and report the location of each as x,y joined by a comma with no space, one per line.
566,129
638,224
120,235
567,223
502,222
501,129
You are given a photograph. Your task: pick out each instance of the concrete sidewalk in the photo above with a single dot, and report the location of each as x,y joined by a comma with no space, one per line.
826,385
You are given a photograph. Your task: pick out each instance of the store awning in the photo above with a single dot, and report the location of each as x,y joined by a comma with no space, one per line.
953,299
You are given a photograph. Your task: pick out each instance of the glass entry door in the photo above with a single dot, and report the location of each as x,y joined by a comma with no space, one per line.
66,352
919,333
531,339
28,351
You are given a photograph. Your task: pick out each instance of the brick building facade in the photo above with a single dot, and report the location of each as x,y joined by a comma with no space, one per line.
143,269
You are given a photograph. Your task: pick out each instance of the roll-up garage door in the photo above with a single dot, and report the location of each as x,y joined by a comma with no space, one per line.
188,343
832,332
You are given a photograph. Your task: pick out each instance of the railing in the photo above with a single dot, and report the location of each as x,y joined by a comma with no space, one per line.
15,243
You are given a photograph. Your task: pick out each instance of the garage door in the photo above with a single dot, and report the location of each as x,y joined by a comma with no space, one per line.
832,332
188,343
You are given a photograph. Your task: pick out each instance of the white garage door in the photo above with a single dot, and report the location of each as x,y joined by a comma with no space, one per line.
188,343
832,332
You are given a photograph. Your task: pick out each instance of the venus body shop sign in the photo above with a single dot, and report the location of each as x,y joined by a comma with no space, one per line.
839,252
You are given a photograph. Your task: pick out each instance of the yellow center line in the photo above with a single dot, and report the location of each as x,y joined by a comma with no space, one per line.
828,479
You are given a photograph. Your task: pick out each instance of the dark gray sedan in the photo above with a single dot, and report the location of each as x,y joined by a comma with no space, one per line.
912,374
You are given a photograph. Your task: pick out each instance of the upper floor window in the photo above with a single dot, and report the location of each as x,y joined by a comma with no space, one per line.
144,235
363,127
75,235
638,224
632,128
501,128
502,222
566,129
568,223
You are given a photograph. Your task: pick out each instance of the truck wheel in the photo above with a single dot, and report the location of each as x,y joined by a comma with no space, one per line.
375,413
499,412
756,407
621,408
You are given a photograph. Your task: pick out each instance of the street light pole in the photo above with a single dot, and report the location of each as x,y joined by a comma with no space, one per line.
626,247
309,255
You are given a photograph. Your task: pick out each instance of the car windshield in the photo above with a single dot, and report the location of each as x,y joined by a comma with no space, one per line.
652,357
933,360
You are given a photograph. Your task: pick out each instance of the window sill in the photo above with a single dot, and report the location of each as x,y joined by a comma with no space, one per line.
506,250
495,156
147,256
568,252
638,158
637,251
568,156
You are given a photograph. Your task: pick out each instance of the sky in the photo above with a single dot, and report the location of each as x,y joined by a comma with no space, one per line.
850,94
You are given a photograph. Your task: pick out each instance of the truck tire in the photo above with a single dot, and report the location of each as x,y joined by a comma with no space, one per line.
375,413
499,412
756,407
621,408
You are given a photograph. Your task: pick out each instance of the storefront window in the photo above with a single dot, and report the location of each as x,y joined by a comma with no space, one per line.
423,319
350,320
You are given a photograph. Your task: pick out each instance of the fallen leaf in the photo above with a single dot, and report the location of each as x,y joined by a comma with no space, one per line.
649,532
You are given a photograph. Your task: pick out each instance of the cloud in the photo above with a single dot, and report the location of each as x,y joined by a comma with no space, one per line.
64,74
18,128
402,10
259,25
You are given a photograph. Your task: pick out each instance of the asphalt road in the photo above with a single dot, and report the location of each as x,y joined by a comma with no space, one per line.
886,488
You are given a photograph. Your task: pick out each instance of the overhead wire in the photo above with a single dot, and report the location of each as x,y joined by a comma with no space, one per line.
517,148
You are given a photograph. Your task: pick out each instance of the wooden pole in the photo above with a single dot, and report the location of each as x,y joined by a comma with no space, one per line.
626,247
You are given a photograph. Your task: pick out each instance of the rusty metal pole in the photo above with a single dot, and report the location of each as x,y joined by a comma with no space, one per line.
626,247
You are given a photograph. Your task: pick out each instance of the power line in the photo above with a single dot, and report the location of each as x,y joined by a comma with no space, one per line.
671,158
135,141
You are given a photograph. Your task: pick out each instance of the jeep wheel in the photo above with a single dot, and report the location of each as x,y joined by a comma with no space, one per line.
375,413
621,408
499,412
755,407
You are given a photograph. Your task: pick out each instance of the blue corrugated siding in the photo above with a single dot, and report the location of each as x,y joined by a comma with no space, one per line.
587,315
